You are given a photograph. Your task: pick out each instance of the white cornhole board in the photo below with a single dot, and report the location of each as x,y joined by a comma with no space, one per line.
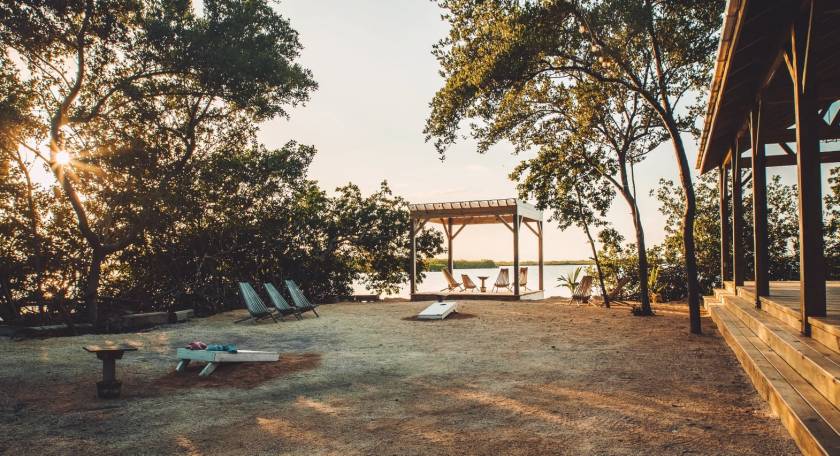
213,358
438,310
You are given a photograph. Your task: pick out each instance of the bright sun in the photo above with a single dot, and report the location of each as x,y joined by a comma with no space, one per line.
62,158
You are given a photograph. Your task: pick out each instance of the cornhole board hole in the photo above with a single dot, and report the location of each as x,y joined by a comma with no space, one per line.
438,310
214,358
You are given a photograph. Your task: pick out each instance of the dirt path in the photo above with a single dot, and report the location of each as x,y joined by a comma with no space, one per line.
518,378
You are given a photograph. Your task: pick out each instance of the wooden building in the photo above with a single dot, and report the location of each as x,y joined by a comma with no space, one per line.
776,82
455,216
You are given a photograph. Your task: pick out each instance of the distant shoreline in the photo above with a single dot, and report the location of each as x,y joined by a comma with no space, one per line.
437,264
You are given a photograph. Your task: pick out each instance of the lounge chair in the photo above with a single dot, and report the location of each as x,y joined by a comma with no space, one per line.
523,278
453,284
583,291
468,283
615,293
502,281
280,303
301,303
256,308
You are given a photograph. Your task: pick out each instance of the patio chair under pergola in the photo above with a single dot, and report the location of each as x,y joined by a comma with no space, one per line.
455,216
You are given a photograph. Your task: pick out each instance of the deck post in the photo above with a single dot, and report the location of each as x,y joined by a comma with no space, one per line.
737,219
725,245
812,288
759,194
540,254
516,252
450,263
412,270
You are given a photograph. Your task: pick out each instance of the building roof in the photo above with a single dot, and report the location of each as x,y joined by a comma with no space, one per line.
751,62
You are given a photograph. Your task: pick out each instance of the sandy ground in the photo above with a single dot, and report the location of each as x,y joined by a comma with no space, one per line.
517,378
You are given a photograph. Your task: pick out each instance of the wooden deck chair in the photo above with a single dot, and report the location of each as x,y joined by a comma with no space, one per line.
468,283
301,303
502,281
452,283
280,303
256,308
615,293
583,291
523,278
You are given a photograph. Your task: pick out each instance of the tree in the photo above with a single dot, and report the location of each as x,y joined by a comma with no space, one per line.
832,225
129,95
614,131
659,50
576,195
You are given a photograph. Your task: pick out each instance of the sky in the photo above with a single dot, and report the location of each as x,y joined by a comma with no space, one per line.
376,74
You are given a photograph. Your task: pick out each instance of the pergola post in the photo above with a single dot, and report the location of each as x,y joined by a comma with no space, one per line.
759,194
412,270
516,251
450,264
540,254
725,245
737,219
812,289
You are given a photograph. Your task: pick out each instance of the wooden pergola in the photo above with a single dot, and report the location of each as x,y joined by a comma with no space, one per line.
455,216
777,75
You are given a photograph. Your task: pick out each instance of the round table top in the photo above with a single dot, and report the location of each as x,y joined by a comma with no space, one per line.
483,277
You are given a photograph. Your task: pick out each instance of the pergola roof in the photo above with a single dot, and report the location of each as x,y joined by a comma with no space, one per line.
475,212
750,62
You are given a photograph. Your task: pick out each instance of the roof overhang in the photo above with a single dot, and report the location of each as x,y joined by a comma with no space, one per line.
750,66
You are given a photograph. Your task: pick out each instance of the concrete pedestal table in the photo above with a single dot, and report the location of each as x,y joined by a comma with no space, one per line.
109,387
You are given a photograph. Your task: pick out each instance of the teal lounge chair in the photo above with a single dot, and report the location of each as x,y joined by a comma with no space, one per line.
299,299
256,308
280,303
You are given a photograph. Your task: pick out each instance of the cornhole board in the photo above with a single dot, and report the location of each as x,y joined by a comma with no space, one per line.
214,358
438,310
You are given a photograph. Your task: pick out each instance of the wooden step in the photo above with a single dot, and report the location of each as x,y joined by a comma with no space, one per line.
710,300
826,330
813,361
809,417
787,315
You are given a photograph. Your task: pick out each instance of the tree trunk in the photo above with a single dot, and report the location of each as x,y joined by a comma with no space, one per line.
643,262
597,265
689,253
8,310
644,297
92,287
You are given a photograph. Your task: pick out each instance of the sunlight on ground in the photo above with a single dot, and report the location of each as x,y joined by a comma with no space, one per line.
510,405
319,406
187,445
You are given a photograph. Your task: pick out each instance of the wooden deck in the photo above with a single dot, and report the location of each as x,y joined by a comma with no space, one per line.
787,294
529,295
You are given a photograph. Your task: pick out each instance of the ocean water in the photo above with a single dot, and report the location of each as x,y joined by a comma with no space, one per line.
435,281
